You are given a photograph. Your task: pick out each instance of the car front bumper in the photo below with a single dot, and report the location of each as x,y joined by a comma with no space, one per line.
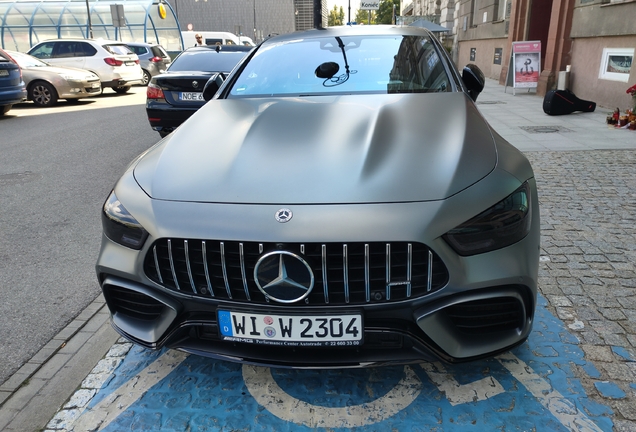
485,306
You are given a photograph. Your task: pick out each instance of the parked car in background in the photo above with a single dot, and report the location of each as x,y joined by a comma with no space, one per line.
46,84
12,88
174,96
154,60
338,202
113,62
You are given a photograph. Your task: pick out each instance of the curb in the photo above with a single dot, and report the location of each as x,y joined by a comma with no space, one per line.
33,395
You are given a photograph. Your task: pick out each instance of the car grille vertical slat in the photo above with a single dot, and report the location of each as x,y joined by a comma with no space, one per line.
344,273
388,271
244,276
429,281
187,260
325,283
206,270
367,267
224,267
409,269
174,273
154,255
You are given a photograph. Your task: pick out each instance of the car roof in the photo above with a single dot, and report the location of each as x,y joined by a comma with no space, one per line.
98,41
227,48
355,30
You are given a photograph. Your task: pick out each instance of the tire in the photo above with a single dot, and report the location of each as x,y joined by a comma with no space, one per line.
163,134
43,94
121,89
4,109
146,79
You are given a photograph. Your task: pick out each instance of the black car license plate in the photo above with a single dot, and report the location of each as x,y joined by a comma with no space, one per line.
291,330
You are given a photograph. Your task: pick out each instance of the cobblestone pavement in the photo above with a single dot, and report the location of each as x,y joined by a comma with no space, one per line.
588,208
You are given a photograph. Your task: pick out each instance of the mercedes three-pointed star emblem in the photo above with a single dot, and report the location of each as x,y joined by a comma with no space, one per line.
284,277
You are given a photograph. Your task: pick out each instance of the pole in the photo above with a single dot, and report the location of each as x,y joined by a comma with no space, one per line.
255,38
349,13
90,26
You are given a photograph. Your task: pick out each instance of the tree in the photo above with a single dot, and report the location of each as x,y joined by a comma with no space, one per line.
336,17
362,17
385,13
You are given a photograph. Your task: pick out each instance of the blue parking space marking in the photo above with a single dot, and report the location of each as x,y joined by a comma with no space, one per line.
530,388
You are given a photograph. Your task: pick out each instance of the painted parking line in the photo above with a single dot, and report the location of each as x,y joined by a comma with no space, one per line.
530,388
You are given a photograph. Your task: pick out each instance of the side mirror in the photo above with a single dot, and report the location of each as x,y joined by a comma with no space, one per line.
474,80
212,86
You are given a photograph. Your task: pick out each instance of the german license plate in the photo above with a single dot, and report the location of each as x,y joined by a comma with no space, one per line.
130,63
4,72
191,96
291,330
95,85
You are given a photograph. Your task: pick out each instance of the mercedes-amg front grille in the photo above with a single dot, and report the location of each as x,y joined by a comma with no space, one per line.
344,273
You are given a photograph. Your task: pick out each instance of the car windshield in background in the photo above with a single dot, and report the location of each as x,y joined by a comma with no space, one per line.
118,49
26,61
206,61
330,65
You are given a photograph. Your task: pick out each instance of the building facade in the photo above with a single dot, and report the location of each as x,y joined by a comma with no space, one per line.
256,19
593,39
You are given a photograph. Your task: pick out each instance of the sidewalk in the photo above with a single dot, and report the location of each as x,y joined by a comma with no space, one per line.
521,121
33,395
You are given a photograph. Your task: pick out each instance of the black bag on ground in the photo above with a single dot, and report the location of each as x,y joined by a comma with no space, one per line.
559,102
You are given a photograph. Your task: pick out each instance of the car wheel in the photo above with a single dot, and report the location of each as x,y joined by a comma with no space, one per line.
43,94
146,79
121,89
5,109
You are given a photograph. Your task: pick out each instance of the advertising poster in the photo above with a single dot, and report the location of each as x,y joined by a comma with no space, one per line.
526,58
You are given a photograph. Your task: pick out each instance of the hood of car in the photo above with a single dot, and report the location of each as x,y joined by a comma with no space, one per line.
318,150
74,73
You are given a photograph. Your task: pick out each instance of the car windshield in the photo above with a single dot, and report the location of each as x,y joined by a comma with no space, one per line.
27,61
345,64
206,61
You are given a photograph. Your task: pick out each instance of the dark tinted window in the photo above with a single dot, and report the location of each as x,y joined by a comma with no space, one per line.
206,61
139,50
118,49
157,51
83,49
64,49
354,64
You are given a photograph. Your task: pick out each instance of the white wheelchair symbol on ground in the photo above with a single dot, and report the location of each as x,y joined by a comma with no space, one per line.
264,389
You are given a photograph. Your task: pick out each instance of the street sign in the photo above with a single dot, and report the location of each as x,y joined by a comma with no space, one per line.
370,5
117,14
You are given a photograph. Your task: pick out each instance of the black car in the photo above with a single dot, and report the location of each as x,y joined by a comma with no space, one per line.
175,95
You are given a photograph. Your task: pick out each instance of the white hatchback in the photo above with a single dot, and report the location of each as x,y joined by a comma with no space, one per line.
114,62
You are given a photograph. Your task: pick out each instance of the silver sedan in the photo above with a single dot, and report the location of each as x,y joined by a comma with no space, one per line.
339,201
46,84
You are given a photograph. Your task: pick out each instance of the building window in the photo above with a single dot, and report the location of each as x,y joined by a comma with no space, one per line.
616,64
474,13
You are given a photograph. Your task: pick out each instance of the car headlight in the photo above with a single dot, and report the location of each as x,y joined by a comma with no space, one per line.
501,225
120,226
68,77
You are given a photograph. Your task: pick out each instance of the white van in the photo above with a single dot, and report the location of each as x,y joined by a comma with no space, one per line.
244,40
209,38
